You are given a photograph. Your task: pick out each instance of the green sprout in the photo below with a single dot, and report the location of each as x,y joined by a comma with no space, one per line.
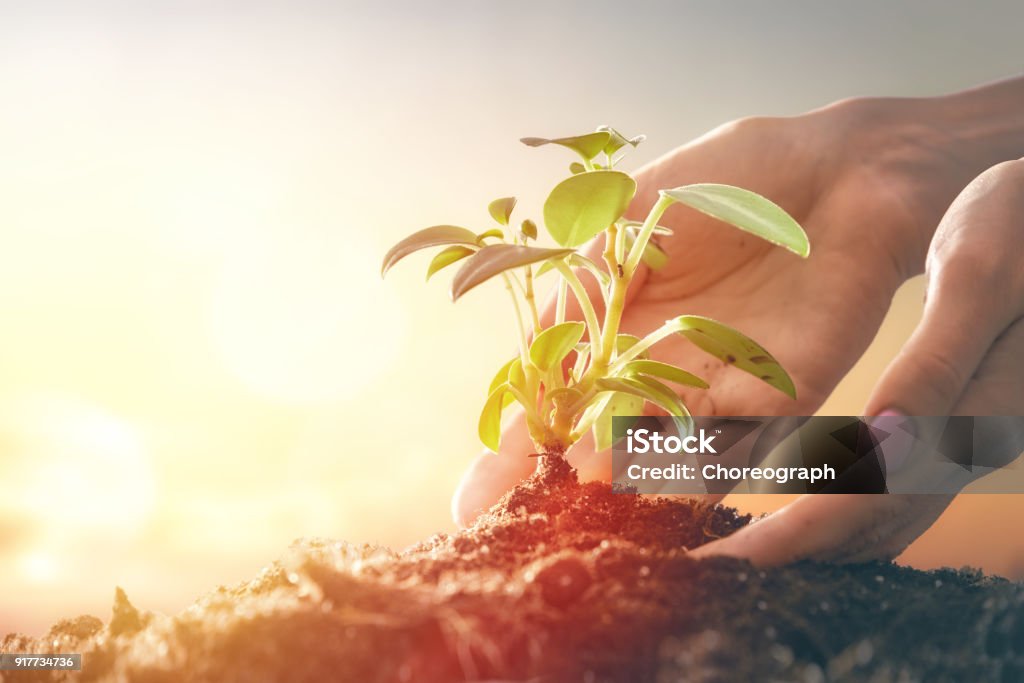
574,376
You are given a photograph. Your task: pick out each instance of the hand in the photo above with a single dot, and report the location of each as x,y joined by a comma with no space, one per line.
851,174
963,359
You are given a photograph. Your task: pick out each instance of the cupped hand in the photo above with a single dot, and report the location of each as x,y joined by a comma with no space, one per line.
851,175
963,359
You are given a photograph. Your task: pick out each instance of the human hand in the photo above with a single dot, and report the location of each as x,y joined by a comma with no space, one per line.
851,175
963,359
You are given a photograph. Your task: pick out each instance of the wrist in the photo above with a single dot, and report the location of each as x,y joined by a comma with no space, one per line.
915,155
985,124
957,136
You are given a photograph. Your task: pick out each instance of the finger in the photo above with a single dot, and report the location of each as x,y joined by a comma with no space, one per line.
490,475
933,367
974,294
995,388
878,527
831,528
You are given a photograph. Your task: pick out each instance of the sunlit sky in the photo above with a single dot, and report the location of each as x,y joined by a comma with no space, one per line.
198,360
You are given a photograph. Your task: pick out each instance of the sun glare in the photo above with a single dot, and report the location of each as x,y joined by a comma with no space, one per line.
304,317
68,466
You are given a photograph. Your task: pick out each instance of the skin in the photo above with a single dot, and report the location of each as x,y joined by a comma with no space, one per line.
870,180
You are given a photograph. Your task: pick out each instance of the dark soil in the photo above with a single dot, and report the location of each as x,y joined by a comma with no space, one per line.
561,582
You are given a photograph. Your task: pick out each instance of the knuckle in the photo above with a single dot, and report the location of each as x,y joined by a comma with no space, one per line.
939,376
748,125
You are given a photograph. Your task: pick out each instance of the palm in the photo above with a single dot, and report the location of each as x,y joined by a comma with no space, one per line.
865,221
816,316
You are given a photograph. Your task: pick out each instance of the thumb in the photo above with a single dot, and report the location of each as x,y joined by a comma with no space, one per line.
932,369
967,307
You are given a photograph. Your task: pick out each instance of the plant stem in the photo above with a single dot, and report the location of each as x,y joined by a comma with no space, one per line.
620,280
641,346
524,344
644,236
531,301
589,314
563,287
589,417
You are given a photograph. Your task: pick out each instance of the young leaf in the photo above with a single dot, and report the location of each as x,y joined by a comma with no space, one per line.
648,389
587,146
582,206
501,376
436,236
747,211
617,141
576,167
735,348
554,344
528,229
446,257
624,342
620,404
578,260
633,227
582,356
493,232
664,371
501,209
653,256
516,376
489,427
495,259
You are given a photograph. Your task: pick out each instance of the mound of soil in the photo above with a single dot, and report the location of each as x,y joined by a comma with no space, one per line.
561,582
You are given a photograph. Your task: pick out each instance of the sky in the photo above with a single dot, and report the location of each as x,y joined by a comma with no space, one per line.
198,359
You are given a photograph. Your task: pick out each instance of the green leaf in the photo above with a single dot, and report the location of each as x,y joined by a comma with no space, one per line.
447,257
528,229
665,396
554,344
747,211
582,206
647,389
620,404
653,255
495,259
489,427
624,342
664,371
493,232
617,140
501,376
501,209
516,376
582,356
735,348
576,167
587,146
436,236
633,227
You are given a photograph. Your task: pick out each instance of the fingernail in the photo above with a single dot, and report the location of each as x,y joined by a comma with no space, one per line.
897,443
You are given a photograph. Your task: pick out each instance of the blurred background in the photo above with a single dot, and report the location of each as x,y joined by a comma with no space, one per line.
198,359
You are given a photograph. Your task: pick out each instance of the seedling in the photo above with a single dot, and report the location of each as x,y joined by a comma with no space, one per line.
574,376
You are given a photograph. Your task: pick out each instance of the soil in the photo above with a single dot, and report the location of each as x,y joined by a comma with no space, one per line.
561,582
